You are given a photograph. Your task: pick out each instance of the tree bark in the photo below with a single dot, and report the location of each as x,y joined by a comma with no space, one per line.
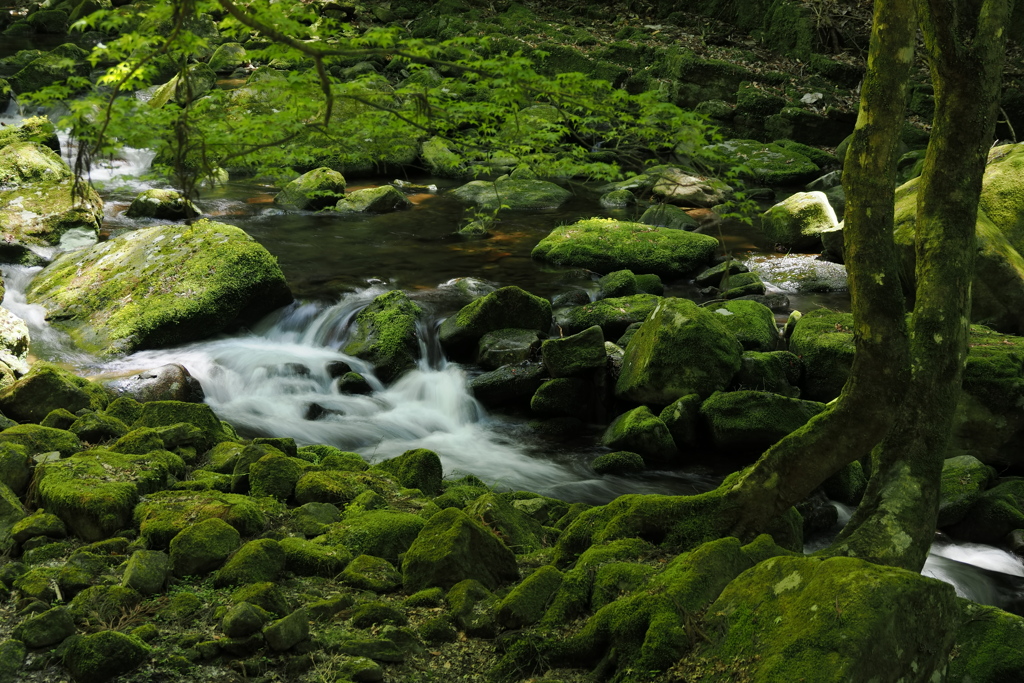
791,469
895,522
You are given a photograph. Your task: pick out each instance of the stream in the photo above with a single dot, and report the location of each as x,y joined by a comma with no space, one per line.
265,380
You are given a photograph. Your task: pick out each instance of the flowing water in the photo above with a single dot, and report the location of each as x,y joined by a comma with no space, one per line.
274,379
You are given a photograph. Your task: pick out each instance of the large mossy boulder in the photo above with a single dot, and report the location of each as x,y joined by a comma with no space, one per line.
318,189
516,194
37,208
160,286
799,221
994,514
606,245
681,349
502,308
47,388
964,478
989,646
164,514
752,322
383,199
641,431
576,354
823,340
56,65
203,547
385,334
769,164
418,468
452,548
381,533
612,315
837,619
750,421
95,492
103,656
676,186
35,129
168,205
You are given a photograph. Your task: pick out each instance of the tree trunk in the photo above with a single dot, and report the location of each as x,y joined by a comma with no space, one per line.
791,469
896,520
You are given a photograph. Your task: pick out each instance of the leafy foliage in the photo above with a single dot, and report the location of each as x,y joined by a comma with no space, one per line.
492,109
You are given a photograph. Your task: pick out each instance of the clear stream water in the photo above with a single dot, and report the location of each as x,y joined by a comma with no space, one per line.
265,380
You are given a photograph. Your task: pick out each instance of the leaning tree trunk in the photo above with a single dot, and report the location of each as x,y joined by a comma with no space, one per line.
791,469
895,522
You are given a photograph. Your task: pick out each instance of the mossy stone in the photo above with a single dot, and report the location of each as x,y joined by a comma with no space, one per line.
510,385
668,216
227,57
618,462
989,645
575,354
147,571
515,194
768,164
452,547
995,513
98,428
39,439
964,478
681,417
104,602
520,532
156,414
59,418
243,619
503,308
100,657
265,595
779,372
830,619
847,486
46,388
255,562
15,467
275,475
46,629
312,191
39,523
164,514
606,245
754,420
12,658
472,607
382,533
369,614
306,558
564,397
823,340
287,632
438,629
383,199
168,205
418,468
200,279
527,602
642,432
428,597
385,334
680,349
510,345
613,315
753,324
441,160
202,547
367,572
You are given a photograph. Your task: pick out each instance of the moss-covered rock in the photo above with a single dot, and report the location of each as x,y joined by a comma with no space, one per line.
49,68
575,354
370,573
520,532
95,491
312,191
964,478
836,619
164,514
419,468
799,221
505,346
202,547
512,193
682,419
451,548
625,283
227,57
989,646
169,414
47,628
570,397
305,558
15,467
823,340
676,186
46,388
753,324
383,199
103,656
779,372
147,571
472,607
995,513
847,486
527,602
255,562
39,523
265,595
750,421
14,345
441,160
244,619
287,632
680,349
618,462
500,309
276,475
509,385
768,164
33,129
98,428
160,286
640,431
668,216
339,486
606,245
612,315
385,334
382,533
168,205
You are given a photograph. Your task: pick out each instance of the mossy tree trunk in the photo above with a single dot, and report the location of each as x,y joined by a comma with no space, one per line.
965,42
860,418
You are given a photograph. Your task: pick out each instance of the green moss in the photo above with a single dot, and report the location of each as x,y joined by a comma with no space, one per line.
989,645
847,485
797,617
383,199
564,397
439,629
419,468
779,372
823,340
255,562
34,129
95,492
38,439
616,580
996,512
680,349
472,607
752,322
306,558
162,515
276,476
46,388
768,164
640,431
97,428
606,245
503,308
512,193
461,492
382,533
751,421
385,334
265,595
527,602
318,189
441,160
681,417
98,657
374,613
156,414
520,532
367,572
964,478
170,285
428,597
341,487
576,354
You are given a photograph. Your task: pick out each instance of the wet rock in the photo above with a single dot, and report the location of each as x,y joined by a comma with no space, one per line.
168,205
513,193
676,186
384,199
799,221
